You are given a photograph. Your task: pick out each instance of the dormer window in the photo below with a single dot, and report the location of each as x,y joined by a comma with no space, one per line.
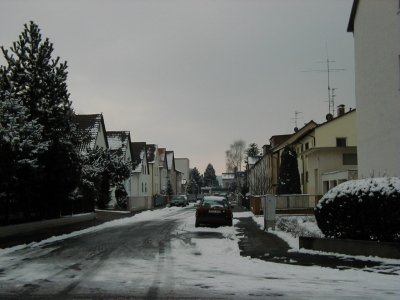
341,142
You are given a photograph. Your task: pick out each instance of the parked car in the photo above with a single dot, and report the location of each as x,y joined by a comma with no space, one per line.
179,200
213,210
225,197
192,198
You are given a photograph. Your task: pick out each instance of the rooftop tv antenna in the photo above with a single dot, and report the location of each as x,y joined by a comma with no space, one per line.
328,70
296,118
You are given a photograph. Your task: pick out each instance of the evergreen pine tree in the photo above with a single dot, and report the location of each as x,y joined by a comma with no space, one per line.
20,147
289,178
38,82
210,179
196,177
252,151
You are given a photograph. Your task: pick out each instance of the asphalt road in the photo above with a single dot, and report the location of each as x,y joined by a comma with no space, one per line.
168,258
69,268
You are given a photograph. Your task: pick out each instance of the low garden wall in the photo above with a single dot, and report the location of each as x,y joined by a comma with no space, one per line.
140,203
11,230
351,247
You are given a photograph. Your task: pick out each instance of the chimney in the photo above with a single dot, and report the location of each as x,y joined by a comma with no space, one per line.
340,110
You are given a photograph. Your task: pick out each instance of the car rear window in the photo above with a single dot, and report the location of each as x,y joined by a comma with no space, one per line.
213,203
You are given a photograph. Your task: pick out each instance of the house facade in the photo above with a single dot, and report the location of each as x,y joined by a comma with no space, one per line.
162,165
173,175
153,161
183,165
327,155
376,29
263,176
227,179
141,182
121,141
92,130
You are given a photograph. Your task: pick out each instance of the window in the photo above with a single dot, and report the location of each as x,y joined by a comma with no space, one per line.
142,187
341,142
145,187
307,145
349,159
306,176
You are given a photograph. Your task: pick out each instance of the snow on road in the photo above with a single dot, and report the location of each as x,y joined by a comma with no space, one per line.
204,262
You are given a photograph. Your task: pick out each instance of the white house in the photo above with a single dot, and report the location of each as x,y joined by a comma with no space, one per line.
376,29
162,165
121,141
183,165
92,131
141,183
153,162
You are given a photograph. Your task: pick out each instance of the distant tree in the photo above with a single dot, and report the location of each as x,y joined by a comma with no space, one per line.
39,83
234,156
289,178
252,151
195,175
192,187
210,179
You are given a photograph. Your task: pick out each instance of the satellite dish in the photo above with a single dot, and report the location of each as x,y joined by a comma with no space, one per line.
296,129
329,117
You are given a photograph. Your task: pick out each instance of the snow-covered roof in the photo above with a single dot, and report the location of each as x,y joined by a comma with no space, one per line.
88,127
138,154
252,160
161,156
118,140
151,152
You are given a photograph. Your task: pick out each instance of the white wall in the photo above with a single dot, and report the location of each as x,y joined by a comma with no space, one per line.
377,50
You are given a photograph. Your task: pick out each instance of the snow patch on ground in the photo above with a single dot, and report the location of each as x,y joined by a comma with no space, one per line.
289,228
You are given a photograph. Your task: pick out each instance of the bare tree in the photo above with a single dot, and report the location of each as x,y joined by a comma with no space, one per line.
235,155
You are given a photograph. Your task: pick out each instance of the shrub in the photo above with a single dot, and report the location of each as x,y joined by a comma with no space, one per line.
367,209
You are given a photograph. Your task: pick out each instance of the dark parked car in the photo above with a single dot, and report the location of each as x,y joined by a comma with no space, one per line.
192,198
213,210
179,200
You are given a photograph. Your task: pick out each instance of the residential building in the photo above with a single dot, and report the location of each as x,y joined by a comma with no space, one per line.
141,182
327,154
277,150
227,179
120,142
92,131
257,175
183,165
162,165
173,174
153,162
376,29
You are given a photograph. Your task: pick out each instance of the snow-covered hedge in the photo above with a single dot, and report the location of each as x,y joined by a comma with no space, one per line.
367,209
299,226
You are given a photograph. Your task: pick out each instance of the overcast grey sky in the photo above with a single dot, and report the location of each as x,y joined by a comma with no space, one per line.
194,76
